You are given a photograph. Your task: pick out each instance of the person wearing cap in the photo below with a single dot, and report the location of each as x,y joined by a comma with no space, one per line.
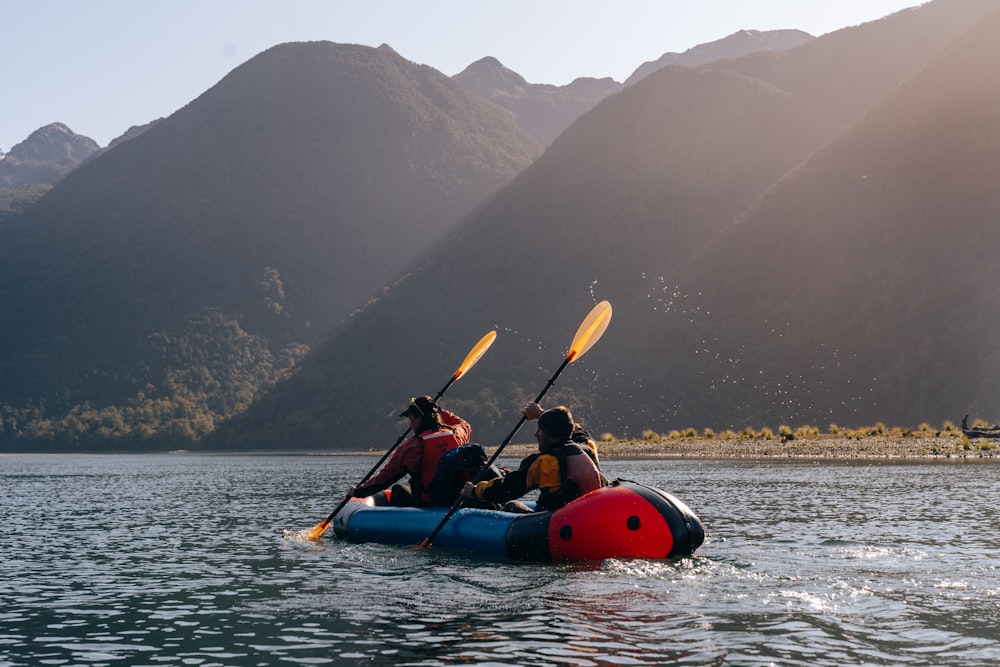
435,431
562,470
580,436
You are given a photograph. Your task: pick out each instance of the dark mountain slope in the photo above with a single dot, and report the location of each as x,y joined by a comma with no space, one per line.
623,198
198,258
867,280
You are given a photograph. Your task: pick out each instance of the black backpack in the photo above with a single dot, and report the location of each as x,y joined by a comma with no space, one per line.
456,467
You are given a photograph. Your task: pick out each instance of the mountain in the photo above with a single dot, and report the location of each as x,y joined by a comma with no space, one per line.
542,110
159,285
659,199
46,156
735,45
867,279
31,167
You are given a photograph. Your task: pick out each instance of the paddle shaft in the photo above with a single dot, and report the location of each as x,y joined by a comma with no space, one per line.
520,422
458,503
347,499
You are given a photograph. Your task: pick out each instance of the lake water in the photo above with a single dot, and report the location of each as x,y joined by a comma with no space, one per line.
180,560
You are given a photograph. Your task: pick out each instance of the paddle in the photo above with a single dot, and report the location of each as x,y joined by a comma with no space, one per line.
470,360
589,332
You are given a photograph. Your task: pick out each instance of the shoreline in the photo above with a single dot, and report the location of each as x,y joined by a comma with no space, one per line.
946,446
920,446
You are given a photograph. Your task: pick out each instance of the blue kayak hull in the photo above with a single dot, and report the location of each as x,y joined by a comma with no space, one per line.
624,520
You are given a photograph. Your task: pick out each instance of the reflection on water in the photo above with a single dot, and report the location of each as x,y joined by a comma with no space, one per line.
162,560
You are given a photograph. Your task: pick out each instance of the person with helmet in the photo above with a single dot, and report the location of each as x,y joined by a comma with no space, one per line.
435,431
565,467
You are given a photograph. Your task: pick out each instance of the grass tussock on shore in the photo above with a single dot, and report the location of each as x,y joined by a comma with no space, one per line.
879,441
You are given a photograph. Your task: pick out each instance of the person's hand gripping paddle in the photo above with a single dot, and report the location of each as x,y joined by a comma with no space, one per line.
590,332
474,355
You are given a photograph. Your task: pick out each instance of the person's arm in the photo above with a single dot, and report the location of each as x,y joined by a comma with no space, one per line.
532,411
461,428
501,489
538,471
400,463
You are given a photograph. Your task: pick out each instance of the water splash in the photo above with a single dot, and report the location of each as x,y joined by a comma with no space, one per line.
723,363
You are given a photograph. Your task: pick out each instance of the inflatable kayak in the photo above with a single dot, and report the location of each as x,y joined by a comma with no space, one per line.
623,520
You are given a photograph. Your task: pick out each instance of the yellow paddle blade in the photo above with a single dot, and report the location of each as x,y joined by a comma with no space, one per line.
423,546
475,353
590,331
317,531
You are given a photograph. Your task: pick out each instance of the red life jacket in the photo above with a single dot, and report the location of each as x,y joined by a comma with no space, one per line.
435,443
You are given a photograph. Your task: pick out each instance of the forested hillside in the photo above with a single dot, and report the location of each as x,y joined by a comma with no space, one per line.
164,283
743,290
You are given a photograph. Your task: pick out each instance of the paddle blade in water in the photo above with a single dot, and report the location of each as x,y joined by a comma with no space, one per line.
316,531
475,353
590,330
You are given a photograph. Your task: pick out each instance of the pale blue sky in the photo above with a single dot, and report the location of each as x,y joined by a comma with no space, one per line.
101,66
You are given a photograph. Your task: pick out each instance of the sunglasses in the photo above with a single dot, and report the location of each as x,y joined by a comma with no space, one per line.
413,404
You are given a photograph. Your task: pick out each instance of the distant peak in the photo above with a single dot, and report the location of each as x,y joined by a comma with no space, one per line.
488,61
53,129
53,142
487,64
490,71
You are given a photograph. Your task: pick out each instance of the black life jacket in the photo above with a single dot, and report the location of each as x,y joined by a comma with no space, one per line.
578,473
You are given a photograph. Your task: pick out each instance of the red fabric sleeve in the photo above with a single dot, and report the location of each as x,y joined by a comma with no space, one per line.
461,428
405,460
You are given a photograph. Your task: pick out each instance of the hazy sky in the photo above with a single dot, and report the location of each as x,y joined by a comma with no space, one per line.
101,66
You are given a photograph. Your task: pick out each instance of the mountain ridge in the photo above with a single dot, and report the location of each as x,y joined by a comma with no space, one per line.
546,110
573,226
736,45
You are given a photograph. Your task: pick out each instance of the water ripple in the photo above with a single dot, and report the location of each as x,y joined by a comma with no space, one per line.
182,560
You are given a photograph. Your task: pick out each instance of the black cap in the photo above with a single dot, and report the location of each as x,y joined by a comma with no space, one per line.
421,406
557,422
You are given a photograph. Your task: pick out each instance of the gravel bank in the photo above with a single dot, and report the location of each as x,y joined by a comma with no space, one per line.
950,445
